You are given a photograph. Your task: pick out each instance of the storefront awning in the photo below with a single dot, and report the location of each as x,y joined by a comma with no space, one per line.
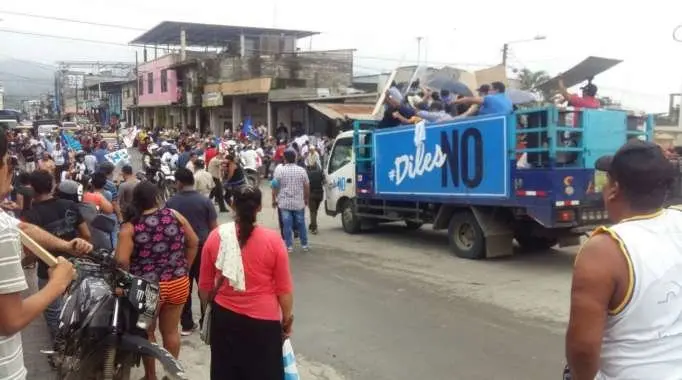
342,110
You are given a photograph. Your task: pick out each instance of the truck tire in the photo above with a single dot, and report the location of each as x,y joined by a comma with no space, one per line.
466,237
531,243
350,221
413,226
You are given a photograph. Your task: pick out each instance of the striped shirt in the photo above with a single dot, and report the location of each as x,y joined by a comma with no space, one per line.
11,281
291,180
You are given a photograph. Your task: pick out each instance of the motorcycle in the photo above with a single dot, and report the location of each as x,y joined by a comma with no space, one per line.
161,175
252,177
103,324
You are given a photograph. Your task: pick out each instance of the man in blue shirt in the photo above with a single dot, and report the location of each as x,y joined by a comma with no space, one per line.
101,153
496,102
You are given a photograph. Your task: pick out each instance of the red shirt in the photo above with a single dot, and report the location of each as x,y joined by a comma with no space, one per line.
266,270
584,101
210,154
279,153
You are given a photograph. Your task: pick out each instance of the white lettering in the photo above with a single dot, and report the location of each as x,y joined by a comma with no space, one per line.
412,166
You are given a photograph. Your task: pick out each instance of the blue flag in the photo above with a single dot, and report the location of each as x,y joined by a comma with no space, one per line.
247,127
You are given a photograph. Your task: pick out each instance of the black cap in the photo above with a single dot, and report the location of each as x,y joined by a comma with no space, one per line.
590,89
638,166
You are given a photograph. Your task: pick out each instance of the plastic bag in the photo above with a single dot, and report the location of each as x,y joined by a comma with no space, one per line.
289,360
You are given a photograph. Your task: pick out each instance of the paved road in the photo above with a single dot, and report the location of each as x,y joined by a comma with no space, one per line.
391,304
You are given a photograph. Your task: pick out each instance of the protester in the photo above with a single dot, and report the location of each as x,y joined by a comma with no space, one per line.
125,189
203,180
200,213
495,102
249,316
17,312
158,244
291,197
99,197
316,180
624,320
587,100
59,217
215,169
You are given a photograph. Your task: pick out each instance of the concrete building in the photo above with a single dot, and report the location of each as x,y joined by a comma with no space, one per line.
74,78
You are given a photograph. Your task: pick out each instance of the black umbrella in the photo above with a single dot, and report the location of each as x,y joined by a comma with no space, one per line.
452,85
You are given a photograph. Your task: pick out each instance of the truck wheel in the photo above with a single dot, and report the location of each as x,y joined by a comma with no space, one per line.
466,236
349,219
531,243
413,226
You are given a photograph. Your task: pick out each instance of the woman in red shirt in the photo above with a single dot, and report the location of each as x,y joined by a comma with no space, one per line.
247,326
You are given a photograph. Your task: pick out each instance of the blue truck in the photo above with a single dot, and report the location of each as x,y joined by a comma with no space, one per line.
487,180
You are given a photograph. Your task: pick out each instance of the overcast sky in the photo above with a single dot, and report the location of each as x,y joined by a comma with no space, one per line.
462,34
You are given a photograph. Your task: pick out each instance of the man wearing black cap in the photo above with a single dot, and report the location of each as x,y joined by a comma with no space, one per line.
495,101
626,298
587,100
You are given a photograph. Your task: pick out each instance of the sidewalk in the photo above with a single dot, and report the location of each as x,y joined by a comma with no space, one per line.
35,338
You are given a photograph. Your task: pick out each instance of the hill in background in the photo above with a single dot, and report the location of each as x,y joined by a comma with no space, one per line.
25,80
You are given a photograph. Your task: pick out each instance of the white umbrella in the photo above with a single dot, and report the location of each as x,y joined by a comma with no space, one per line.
521,96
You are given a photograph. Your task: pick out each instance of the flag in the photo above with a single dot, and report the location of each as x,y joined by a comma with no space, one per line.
71,142
247,127
248,130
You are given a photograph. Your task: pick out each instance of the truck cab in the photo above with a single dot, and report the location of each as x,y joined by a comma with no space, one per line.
488,180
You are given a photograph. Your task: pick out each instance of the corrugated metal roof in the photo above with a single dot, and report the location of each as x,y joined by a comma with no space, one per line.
342,110
168,33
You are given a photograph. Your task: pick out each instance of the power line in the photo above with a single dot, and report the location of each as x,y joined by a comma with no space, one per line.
21,32
62,19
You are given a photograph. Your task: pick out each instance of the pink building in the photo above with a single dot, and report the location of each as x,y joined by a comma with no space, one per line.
158,84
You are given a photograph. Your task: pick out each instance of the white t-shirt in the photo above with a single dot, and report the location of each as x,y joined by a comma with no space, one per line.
58,156
13,281
250,159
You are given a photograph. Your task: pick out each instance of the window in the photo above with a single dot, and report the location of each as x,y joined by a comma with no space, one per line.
341,155
164,80
150,83
140,85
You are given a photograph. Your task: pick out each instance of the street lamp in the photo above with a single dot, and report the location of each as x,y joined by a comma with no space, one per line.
505,47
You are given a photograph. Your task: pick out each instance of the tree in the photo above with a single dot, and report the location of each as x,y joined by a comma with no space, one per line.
530,79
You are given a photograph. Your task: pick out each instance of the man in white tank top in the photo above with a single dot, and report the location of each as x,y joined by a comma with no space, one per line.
626,298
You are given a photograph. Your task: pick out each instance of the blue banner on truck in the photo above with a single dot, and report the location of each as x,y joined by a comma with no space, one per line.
466,157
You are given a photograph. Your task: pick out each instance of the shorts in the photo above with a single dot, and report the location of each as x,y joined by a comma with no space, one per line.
174,292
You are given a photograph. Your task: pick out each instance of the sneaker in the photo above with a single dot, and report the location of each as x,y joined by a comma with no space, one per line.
190,331
313,231
306,248
290,249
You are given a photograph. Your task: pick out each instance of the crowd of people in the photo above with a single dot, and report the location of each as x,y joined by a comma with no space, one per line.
54,189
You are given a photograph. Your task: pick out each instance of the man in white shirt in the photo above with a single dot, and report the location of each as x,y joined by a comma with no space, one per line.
625,300
203,180
249,158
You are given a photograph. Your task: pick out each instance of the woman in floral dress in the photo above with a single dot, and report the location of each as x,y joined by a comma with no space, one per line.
159,245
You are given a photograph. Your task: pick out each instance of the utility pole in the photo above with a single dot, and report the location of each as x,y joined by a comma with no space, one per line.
419,50
505,52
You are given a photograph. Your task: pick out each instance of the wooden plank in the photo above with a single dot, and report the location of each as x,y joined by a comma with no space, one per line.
587,69
37,250
382,95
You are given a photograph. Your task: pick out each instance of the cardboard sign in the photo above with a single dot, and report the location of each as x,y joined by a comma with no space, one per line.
581,72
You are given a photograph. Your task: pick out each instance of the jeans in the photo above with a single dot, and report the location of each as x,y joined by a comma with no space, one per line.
52,312
314,206
187,319
291,218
